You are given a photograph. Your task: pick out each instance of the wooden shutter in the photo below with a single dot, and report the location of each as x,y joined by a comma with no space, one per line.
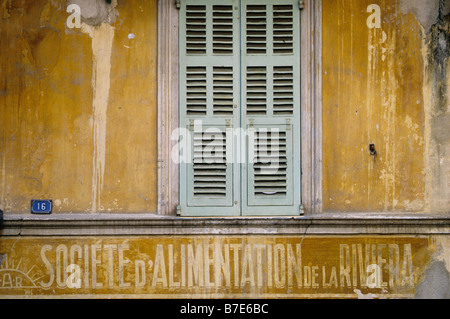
240,69
209,94
271,166
270,92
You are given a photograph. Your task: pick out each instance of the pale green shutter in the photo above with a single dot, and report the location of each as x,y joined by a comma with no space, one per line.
209,92
240,69
270,89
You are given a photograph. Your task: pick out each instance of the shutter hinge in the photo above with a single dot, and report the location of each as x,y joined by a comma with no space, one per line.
288,124
301,4
178,4
178,210
301,210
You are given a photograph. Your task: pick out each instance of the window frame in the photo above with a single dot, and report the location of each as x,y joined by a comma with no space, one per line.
311,106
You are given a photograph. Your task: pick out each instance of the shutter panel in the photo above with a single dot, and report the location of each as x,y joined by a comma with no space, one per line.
270,75
240,69
271,166
209,97
210,177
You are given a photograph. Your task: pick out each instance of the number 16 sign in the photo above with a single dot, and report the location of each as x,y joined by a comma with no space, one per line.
41,206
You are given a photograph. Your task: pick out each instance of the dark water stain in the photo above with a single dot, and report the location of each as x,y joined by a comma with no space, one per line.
438,42
45,46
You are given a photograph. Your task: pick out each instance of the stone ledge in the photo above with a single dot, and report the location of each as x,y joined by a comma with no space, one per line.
149,224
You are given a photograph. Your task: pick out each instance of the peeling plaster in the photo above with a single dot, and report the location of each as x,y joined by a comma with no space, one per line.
425,14
97,20
435,283
102,40
443,251
96,12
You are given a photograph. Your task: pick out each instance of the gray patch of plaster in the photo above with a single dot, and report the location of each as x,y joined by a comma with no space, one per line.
426,11
96,12
446,8
442,128
436,283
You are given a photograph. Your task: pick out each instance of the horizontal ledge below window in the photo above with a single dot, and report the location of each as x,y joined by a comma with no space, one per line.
106,224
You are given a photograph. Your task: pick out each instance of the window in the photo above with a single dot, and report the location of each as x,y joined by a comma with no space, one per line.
240,107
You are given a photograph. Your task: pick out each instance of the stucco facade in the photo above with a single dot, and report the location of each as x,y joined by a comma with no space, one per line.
83,112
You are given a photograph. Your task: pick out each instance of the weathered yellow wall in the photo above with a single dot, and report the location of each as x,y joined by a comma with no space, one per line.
78,125
219,267
78,108
372,93
386,84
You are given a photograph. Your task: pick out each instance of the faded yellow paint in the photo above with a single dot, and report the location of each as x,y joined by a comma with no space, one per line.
215,266
132,112
66,130
85,136
372,94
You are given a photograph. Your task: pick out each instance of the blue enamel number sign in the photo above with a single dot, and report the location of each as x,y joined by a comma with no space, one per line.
41,206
